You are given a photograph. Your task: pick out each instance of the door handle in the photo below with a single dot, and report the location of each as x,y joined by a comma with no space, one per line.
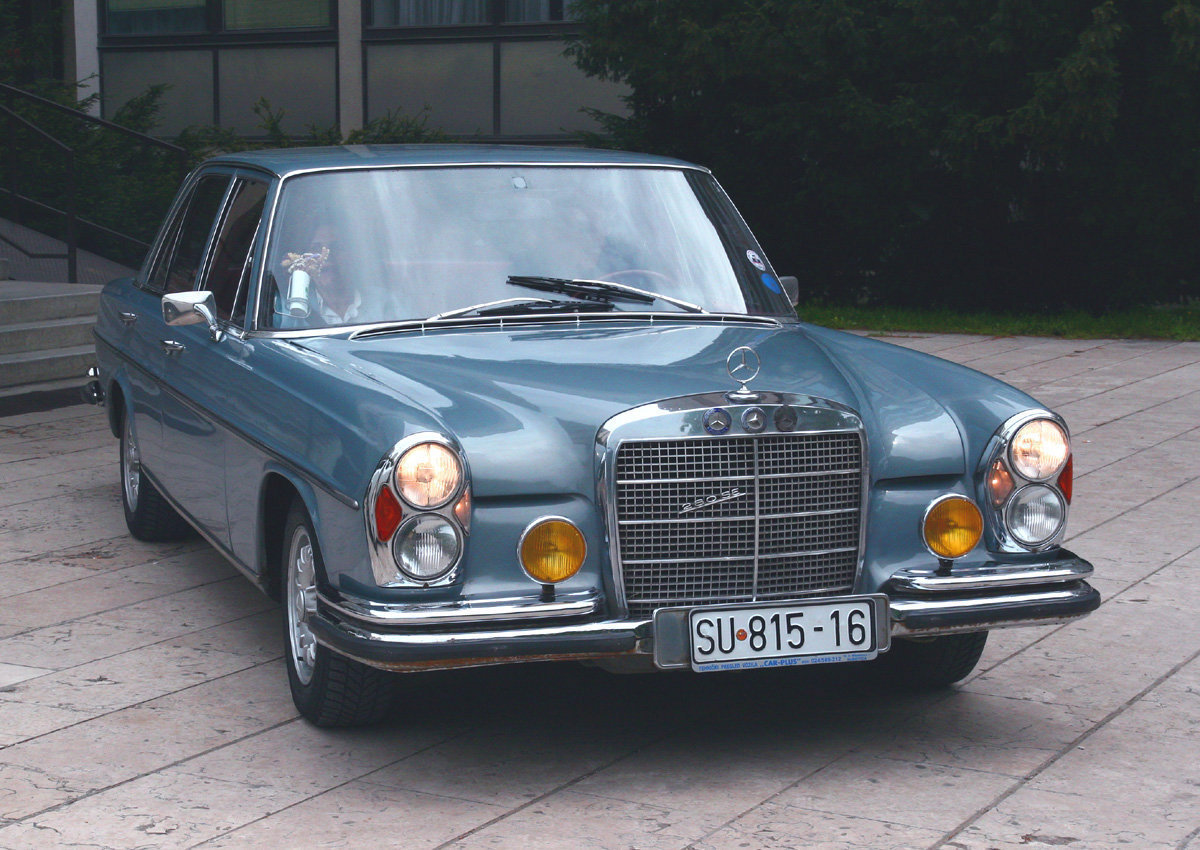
170,346
128,318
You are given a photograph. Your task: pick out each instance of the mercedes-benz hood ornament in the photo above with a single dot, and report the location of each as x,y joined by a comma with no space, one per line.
743,366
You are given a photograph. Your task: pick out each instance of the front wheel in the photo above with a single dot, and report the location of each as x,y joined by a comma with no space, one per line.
328,689
147,514
933,662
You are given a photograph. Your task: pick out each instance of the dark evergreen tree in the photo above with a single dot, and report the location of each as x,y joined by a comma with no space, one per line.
1006,153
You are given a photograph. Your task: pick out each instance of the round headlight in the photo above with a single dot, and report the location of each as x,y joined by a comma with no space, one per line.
1035,514
428,475
1039,449
952,526
552,550
427,547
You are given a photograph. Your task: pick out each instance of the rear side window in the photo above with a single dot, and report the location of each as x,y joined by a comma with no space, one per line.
179,263
229,269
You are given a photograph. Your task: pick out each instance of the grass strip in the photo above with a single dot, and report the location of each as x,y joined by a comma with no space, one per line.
1176,323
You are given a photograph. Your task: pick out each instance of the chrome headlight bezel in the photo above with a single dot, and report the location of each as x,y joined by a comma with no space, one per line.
998,533
1016,466
1022,493
443,495
385,566
409,526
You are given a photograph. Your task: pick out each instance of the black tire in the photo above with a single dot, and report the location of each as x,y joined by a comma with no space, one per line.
147,514
328,689
933,662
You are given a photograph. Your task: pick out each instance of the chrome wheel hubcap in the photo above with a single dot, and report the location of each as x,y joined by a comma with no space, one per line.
131,467
302,604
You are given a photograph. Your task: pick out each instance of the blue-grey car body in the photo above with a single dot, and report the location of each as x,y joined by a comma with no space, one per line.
525,401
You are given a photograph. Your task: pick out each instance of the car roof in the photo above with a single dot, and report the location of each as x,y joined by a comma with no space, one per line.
285,161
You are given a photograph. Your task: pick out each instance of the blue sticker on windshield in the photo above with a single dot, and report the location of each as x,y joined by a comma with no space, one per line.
772,283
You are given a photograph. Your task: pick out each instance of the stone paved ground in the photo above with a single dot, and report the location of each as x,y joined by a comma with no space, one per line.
143,700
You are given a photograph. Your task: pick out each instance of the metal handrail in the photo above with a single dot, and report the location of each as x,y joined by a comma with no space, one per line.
91,119
92,225
71,212
71,256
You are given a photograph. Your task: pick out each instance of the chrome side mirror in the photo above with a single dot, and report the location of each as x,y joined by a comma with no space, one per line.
192,308
791,287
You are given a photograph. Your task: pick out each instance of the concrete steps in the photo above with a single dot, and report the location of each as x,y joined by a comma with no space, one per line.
51,333
45,333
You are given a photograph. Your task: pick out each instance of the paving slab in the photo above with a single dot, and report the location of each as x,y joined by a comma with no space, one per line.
144,704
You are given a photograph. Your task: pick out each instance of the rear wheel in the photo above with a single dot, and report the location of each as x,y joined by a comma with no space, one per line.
147,514
934,662
328,689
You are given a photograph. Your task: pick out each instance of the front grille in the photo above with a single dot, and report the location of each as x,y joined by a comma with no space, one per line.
779,516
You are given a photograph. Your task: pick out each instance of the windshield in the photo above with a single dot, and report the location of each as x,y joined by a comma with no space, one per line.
357,247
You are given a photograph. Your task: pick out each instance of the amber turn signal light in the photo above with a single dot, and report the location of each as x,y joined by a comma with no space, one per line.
1066,479
552,550
952,526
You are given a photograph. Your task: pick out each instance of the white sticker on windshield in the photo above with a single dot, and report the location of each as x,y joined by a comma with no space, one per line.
756,261
519,183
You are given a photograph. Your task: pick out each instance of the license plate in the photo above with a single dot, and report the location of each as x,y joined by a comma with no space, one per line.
826,631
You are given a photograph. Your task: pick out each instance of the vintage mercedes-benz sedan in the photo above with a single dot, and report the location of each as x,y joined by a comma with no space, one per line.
466,405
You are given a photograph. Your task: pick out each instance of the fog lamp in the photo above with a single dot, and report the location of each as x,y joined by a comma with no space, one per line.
427,547
552,549
952,526
1036,514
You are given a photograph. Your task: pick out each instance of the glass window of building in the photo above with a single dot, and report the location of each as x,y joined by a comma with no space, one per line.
277,14
428,13
136,17
528,11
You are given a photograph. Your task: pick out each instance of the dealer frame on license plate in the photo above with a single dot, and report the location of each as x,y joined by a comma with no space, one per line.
817,631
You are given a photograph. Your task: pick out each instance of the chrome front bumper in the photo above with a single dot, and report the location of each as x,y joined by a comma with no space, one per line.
992,596
468,634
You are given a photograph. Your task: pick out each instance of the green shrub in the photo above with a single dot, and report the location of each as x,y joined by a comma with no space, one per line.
1015,154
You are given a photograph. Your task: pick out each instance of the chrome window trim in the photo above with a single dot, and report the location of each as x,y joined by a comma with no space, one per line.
494,163
142,278
609,441
576,319
354,332
384,568
995,532
255,255
214,227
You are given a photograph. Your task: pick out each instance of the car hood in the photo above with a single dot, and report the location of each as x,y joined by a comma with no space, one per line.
526,403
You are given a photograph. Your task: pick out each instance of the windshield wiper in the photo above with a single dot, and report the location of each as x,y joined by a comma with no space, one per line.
516,306
599,290
547,307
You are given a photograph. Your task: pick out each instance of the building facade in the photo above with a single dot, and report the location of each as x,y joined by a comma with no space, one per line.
492,70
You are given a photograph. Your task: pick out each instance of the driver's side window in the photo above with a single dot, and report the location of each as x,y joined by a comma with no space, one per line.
229,266
183,252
